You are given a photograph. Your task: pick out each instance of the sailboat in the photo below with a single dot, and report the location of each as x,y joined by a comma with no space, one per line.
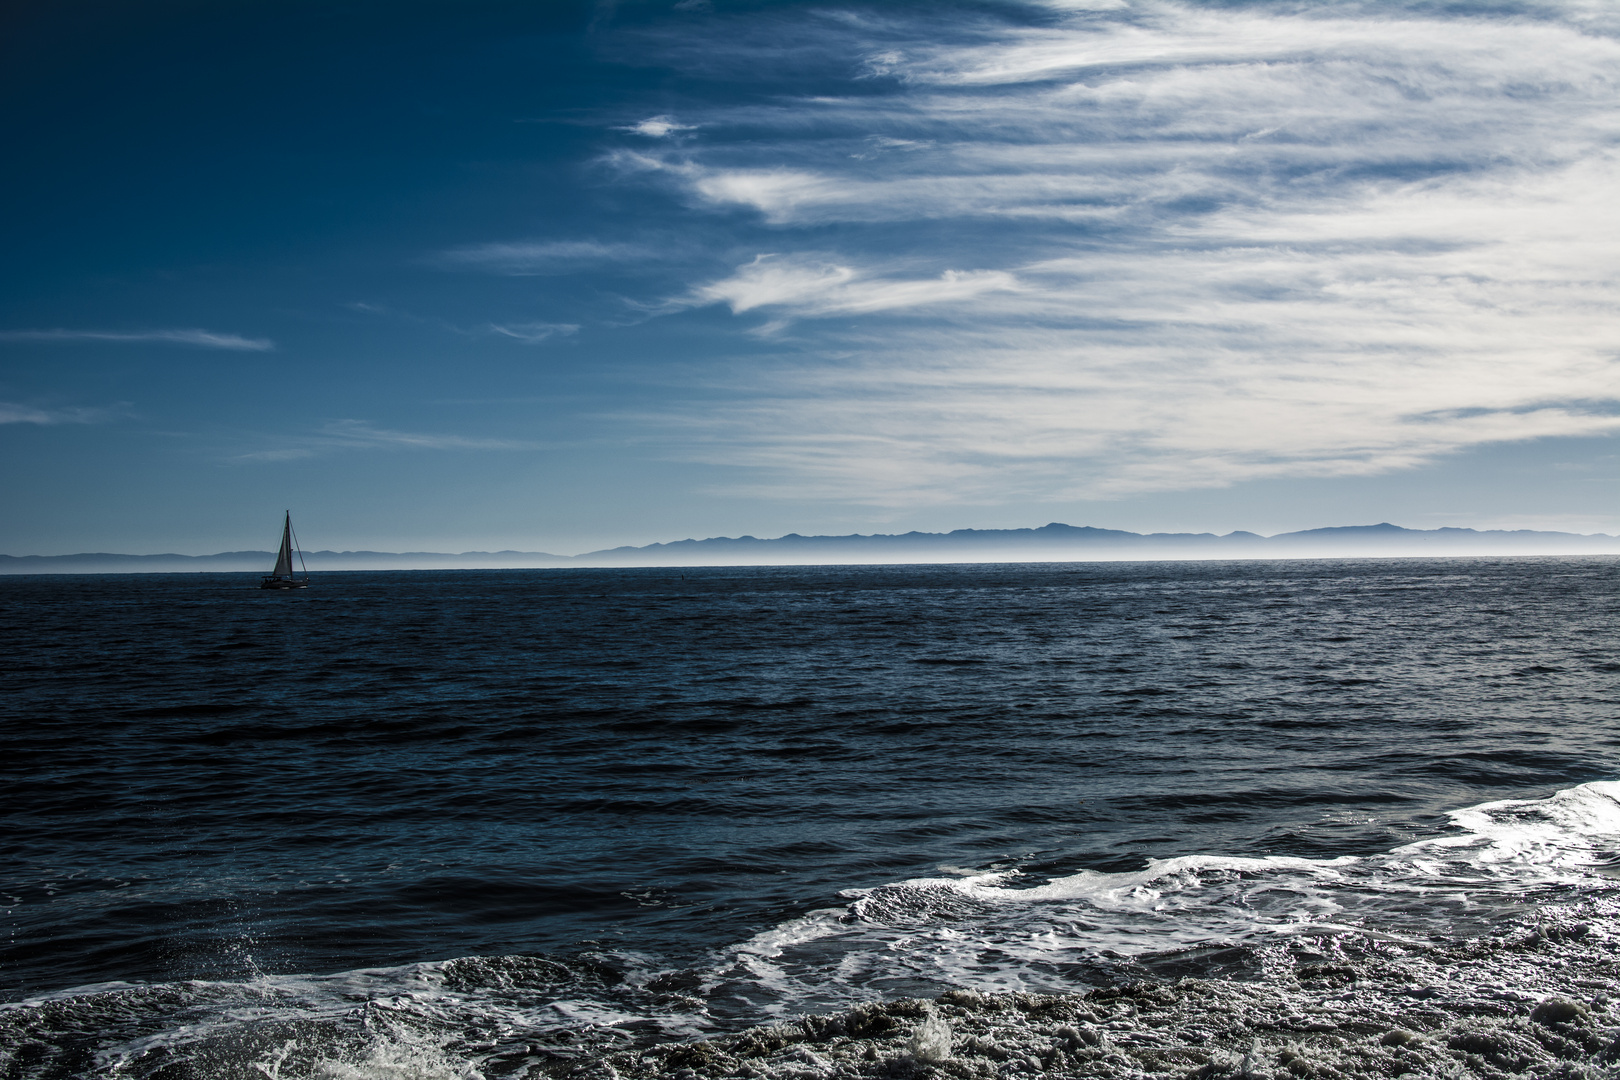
282,576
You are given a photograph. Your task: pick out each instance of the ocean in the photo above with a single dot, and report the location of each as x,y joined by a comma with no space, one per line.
1213,819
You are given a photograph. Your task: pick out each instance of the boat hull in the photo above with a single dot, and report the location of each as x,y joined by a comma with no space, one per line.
282,583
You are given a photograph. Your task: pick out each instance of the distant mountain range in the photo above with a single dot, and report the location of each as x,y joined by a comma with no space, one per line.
1049,543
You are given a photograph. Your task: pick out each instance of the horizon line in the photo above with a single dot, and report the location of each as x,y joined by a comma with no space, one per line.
1382,534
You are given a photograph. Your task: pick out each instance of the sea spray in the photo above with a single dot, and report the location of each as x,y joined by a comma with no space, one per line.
271,1062
931,1039
395,1054
403,1060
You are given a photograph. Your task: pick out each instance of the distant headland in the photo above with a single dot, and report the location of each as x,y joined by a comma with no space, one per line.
1049,543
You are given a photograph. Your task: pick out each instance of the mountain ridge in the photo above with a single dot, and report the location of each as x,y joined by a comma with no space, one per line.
1053,542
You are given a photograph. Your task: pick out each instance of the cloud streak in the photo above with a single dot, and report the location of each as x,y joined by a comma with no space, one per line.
350,434
657,127
532,333
807,286
206,339
14,413
540,257
362,433
1193,246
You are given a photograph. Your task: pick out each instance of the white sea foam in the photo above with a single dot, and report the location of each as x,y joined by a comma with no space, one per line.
1562,835
1001,931
399,1055
1528,864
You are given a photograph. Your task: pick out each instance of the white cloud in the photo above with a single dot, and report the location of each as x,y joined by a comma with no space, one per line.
1085,5
811,287
1208,245
532,333
657,127
207,339
776,193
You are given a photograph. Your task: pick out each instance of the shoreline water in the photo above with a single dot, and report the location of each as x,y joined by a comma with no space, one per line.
1319,985
1532,1001
1333,1016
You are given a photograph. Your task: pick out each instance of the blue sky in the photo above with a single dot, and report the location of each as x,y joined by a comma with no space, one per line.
553,276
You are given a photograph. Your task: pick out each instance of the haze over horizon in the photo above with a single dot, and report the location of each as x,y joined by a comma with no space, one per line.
1055,542
571,276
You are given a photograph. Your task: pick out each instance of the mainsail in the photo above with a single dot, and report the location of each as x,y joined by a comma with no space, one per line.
284,556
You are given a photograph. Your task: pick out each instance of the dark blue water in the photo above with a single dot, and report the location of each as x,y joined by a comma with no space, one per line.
631,774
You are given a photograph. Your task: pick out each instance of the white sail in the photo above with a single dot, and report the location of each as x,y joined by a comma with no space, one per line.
284,556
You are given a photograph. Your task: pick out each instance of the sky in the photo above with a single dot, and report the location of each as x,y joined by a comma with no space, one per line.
557,276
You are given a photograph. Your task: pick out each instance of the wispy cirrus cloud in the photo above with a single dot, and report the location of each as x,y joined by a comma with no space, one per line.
14,413
291,453
362,433
350,434
540,257
533,333
1211,244
811,286
529,333
207,339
